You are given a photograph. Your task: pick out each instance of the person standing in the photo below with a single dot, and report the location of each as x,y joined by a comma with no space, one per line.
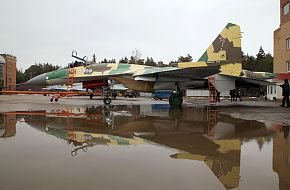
262,94
218,94
232,93
238,94
285,93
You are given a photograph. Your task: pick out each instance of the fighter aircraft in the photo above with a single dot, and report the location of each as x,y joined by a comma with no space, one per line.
223,56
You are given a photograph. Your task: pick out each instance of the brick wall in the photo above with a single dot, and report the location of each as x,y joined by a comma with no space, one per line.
281,53
283,18
9,72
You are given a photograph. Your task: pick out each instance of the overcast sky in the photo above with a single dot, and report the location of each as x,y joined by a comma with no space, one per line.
38,31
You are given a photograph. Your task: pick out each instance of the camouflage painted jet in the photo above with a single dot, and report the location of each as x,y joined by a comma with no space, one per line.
222,56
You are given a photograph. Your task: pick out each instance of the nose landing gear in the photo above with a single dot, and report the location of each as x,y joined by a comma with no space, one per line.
175,100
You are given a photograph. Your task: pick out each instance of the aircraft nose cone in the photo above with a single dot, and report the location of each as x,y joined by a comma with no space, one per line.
39,80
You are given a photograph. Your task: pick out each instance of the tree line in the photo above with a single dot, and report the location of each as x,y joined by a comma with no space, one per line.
260,62
34,70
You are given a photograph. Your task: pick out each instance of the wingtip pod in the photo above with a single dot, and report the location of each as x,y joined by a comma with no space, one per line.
226,46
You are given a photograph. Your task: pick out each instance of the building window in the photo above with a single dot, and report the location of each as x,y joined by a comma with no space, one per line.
288,65
288,43
286,9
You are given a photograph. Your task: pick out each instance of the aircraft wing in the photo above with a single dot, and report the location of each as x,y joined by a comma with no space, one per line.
251,82
190,72
228,82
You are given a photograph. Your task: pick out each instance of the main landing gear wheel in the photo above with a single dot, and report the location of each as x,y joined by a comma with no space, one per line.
107,101
175,100
91,96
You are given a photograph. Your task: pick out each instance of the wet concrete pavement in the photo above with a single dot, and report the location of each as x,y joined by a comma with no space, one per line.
250,109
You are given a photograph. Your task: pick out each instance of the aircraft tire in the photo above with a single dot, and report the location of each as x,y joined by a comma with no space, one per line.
175,100
56,99
91,96
107,101
51,99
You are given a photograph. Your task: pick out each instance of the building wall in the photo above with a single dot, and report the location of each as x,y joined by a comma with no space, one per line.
9,125
283,18
2,64
281,54
281,158
1,75
9,72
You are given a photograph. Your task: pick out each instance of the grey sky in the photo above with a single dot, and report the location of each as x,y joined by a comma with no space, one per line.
37,31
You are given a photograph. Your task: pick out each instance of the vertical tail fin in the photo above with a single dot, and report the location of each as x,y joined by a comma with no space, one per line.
226,47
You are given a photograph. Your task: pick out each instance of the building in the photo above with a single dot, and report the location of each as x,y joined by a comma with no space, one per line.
281,65
2,65
7,72
281,157
282,40
7,125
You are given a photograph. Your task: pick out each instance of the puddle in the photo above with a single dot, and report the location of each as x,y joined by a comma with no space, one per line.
141,147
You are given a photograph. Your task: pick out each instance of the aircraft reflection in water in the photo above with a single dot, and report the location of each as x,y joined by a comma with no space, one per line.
198,134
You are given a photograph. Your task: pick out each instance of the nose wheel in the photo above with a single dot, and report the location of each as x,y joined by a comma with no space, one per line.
107,100
55,98
175,100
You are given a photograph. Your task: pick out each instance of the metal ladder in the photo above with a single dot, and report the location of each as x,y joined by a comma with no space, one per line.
212,93
212,120
70,127
70,79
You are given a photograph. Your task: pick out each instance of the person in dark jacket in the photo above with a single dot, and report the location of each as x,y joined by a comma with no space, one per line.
285,93
218,96
232,93
238,94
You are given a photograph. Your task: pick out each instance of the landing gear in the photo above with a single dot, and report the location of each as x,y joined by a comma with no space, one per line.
114,95
91,96
175,100
107,100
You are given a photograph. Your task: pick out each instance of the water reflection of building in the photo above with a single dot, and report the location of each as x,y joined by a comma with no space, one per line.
7,125
281,158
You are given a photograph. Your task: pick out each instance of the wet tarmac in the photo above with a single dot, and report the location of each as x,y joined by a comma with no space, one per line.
141,147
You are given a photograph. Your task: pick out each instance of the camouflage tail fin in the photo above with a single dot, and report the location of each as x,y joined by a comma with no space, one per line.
226,47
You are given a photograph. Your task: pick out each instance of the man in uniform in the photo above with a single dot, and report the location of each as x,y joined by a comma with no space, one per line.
285,93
